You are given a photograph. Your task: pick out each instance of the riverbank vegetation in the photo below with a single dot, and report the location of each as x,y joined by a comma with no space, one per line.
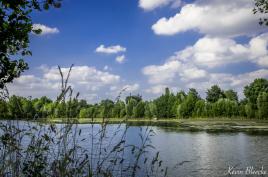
218,103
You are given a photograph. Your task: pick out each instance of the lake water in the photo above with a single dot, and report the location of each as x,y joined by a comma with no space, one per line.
197,153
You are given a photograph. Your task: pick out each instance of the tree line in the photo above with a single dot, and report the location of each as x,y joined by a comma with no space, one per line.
218,103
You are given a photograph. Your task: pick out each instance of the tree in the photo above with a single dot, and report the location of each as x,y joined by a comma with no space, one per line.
214,94
262,103
3,109
15,26
166,105
118,107
39,104
261,6
106,108
231,95
253,90
85,113
200,109
138,111
60,110
186,109
28,109
15,107
130,106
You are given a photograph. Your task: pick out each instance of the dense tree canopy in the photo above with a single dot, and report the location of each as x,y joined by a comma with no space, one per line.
214,94
219,103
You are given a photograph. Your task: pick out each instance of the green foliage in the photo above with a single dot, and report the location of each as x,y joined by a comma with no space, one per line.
187,107
253,90
106,108
138,111
15,107
261,6
3,109
85,113
168,105
231,95
214,94
262,103
15,26
200,109
131,103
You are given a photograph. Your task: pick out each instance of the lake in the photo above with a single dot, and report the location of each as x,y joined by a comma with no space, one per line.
192,153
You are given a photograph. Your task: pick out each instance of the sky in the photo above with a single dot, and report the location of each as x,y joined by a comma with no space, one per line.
145,46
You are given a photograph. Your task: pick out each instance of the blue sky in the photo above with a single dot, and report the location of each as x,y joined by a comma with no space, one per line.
145,46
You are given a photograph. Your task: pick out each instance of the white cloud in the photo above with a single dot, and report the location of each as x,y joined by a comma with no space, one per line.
45,29
153,4
106,67
156,89
162,73
215,51
84,79
131,88
120,59
192,67
213,17
110,49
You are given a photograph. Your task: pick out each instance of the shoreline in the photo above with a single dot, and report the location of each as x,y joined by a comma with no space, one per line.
216,125
209,125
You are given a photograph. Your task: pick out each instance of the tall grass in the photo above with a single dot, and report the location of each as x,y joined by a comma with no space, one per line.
66,150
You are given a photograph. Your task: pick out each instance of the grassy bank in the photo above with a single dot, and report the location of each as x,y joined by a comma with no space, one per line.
208,125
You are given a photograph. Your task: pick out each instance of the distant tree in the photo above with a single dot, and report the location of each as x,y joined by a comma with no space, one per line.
138,98
253,90
15,107
106,108
138,111
118,107
225,108
49,110
39,104
181,96
200,109
250,112
3,109
73,108
147,111
262,103
214,94
242,107
85,113
166,105
60,110
131,103
15,26
27,108
186,109
231,95
82,104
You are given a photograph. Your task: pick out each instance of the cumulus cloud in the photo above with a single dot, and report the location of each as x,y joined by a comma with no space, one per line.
212,17
45,29
131,88
84,79
162,73
215,51
120,59
153,4
195,65
110,49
